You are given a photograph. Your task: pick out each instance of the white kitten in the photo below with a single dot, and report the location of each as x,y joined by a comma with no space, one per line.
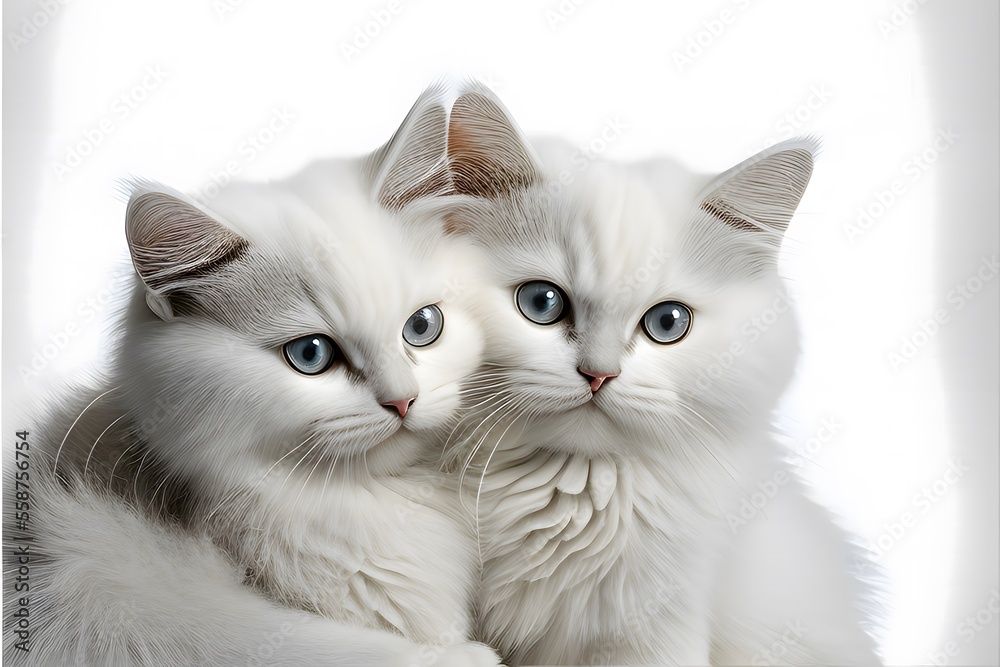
624,414
281,372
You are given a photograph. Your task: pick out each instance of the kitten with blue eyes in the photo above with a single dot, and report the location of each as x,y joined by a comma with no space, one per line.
622,422
256,484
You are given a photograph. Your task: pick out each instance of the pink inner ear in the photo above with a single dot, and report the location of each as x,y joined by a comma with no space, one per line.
717,210
173,243
764,193
486,153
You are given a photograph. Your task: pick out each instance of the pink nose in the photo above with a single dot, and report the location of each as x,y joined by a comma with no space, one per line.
400,406
596,379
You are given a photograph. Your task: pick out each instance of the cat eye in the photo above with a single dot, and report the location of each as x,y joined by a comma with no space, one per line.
310,355
424,326
541,302
667,322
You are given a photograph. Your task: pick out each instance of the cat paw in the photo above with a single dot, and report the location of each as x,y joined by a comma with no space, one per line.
469,654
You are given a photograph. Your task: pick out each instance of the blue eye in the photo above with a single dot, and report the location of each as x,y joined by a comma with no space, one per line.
310,355
541,302
667,322
424,326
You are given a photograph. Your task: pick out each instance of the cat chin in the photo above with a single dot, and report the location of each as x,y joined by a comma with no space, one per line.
360,432
388,456
394,454
583,429
565,405
370,450
594,428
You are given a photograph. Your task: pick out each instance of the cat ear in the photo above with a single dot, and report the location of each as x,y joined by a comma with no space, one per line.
487,154
741,217
762,193
174,244
413,163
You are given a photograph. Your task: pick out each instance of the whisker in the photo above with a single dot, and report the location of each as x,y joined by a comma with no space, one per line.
111,477
138,473
329,476
706,446
479,490
55,464
86,463
163,498
297,463
236,492
285,456
507,401
479,493
699,416
464,424
319,460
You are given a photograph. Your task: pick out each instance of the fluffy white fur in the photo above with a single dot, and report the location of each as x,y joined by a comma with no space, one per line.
609,522
211,505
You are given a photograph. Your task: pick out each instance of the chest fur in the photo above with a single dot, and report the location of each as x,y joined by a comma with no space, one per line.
592,561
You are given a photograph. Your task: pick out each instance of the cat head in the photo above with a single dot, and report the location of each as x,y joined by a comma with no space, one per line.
631,303
292,324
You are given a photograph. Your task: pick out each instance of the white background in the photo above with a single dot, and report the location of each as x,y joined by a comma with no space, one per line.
710,84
